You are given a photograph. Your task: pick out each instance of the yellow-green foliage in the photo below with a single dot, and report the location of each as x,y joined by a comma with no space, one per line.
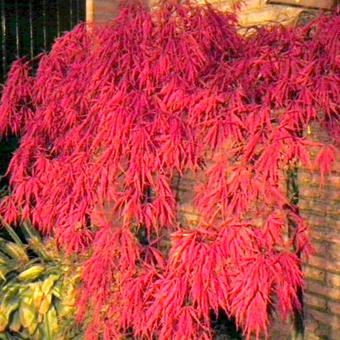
37,289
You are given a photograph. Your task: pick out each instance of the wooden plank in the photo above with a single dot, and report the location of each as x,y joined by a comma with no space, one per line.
322,4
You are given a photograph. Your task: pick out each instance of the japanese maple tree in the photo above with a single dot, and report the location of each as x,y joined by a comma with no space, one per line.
114,113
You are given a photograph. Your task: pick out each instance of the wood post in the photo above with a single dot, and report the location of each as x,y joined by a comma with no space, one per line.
101,11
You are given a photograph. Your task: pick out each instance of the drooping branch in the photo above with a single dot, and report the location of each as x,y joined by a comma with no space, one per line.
115,112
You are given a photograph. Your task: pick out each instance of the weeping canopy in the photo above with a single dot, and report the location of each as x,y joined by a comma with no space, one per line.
115,112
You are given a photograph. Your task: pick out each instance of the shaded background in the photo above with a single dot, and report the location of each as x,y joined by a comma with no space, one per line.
29,27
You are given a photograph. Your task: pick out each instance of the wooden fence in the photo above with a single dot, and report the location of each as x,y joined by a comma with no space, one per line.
29,27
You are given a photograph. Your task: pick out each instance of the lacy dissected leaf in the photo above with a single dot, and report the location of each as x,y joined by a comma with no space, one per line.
115,113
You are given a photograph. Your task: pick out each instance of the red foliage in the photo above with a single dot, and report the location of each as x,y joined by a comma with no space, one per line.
114,112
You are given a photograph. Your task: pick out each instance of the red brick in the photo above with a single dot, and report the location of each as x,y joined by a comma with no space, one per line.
325,264
312,180
328,265
313,301
323,225
320,247
314,273
311,326
319,289
333,280
320,207
311,336
280,329
316,261
326,319
334,307
326,249
334,333
316,192
316,327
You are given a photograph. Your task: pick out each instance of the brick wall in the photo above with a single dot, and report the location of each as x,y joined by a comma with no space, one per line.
321,208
